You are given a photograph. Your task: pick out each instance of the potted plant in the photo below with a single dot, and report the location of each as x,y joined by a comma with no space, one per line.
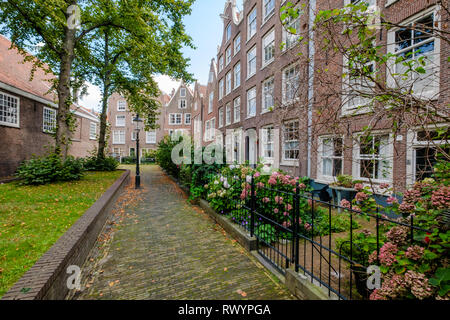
343,188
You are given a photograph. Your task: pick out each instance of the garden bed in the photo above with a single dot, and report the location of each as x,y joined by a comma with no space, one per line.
33,218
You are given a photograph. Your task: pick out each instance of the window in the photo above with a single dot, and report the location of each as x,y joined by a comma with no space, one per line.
187,118
207,130
175,118
228,84
228,32
210,129
93,131
228,114
132,152
268,47
267,103
237,75
121,105
117,152
49,120
211,77
118,137
251,62
220,63
211,102
182,104
251,24
183,92
133,135
120,121
237,109
290,83
220,89
358,85
268,142
195,106
291,144
9,110
412,44
289,38
424,149
150,137
268,8
372,157
237,44
228,55
220,117
331,157
251,102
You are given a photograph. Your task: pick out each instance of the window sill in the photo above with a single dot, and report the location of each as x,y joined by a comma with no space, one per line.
289,163
250,117
249,39
267,64
250,76
267,18
266,111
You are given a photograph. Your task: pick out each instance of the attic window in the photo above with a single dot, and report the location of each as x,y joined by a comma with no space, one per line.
229,31
183,92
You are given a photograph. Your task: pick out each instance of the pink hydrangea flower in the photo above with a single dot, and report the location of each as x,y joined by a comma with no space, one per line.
272,181
361,196
257,174
275,210
391,200
414,252
345,203
288,207
359,187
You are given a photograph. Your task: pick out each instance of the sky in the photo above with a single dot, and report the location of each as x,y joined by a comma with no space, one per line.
205,26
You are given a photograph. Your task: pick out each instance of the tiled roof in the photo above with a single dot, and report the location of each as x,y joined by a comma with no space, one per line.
15,73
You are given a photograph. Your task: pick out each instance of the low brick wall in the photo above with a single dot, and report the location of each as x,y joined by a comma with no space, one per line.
47,279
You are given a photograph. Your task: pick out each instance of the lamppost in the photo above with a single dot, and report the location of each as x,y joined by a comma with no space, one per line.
137,122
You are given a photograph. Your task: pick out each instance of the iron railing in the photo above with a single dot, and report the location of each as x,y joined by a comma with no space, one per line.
309,250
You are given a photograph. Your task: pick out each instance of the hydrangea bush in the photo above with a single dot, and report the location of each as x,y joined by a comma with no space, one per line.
417,269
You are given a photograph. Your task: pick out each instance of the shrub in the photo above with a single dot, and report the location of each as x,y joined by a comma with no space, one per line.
94,163
50,168
128,160
164,156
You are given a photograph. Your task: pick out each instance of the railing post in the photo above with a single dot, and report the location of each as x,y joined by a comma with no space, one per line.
252,207
295,240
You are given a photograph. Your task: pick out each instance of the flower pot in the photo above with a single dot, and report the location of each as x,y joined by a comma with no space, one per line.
360,276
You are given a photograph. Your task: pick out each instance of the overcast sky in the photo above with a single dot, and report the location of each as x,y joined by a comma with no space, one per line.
205,27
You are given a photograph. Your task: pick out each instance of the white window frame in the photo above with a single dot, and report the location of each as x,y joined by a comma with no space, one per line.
237,44
251,113
176,117
268,41
228,83
182,92
412,143
93,130
387,156
237,75
236,106
267,14
320,157
228,56
291,40
121,124
265,95
285,84
15,100
251,60
251,21
221,88
290,161
150,137
221,63
119,134
433,92
211,102
51,126
268,132
182,104
228,114
186,122
121,105
220,117
228,32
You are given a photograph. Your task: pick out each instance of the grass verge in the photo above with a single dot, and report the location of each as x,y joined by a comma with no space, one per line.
33,218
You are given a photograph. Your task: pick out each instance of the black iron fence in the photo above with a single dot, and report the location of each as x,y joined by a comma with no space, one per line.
307,237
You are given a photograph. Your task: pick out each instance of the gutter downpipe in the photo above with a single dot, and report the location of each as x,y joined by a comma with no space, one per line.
311,65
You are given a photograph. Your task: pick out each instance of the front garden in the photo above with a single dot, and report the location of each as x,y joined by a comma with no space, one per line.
38,209
335,249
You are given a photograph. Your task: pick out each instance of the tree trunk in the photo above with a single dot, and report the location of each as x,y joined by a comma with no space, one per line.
106,88
64,116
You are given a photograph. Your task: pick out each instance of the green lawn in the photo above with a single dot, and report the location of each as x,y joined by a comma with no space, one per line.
33,218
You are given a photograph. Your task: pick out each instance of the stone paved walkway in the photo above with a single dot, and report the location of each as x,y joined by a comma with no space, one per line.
165,248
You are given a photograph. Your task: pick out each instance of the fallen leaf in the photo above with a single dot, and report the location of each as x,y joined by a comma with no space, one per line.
225,269
111,284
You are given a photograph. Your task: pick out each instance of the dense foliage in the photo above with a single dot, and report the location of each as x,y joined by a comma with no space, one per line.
95,163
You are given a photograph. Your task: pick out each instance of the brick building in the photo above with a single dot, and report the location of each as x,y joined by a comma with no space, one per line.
122,139
265,98
28,113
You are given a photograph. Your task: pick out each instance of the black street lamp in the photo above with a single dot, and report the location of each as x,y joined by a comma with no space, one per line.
137,122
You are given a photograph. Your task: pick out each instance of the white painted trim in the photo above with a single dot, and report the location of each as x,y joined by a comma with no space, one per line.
6,124
43,118
27,94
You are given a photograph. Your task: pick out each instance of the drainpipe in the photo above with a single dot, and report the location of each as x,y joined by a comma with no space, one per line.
311,54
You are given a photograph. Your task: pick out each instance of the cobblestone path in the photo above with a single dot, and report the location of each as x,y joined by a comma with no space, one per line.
161,247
